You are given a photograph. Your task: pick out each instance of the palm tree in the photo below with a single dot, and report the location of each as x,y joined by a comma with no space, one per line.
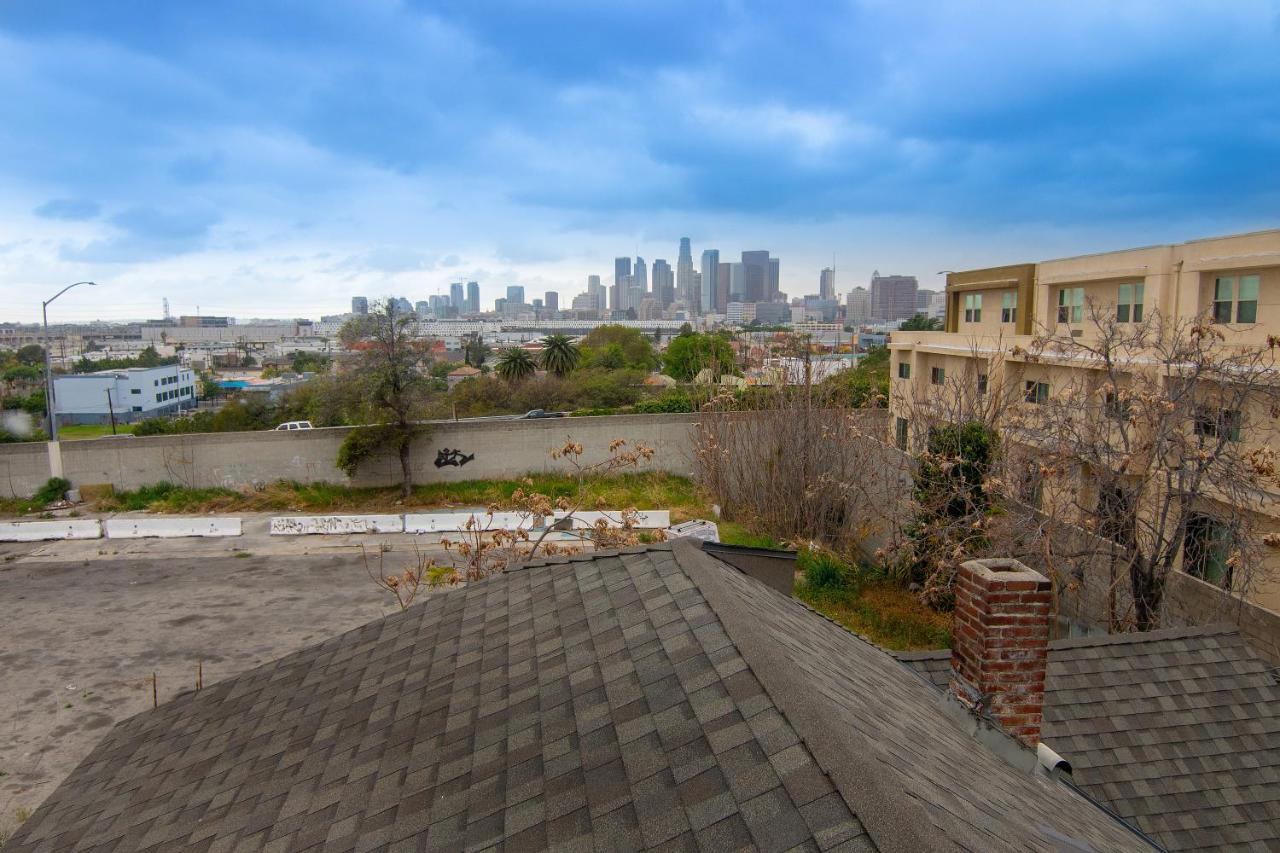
560,355
515,364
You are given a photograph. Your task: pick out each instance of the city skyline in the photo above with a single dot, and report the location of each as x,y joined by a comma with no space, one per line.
254,159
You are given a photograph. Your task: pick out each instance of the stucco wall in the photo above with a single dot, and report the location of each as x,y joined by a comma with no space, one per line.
244,459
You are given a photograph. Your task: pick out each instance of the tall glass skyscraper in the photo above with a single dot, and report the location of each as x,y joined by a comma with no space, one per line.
684,275
473,297
456,299
707,301
621,273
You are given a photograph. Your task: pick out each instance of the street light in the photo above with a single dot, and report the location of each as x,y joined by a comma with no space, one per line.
48,358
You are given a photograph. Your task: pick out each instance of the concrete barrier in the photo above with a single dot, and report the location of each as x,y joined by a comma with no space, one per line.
40,531
453,522
170,528
647,519
307,525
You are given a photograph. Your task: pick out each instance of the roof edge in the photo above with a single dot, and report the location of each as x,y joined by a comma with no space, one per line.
1137,637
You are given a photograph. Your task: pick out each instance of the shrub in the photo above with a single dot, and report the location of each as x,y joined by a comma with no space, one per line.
53,490
824,572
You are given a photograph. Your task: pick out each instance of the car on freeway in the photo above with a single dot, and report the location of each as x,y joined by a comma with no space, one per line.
539,413
295,425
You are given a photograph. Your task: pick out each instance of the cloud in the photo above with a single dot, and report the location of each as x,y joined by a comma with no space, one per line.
69,209
146,233
387,259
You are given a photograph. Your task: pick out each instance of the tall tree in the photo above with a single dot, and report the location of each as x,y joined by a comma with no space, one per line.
560,355
689,354
515,364
921,323
394,391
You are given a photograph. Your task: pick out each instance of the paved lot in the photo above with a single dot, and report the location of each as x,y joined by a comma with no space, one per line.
83,625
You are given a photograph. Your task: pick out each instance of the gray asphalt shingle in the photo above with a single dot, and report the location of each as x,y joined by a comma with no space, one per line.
1176,729
654,698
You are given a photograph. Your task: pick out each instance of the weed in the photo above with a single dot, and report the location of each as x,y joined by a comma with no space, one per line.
243,555
53,490
22,814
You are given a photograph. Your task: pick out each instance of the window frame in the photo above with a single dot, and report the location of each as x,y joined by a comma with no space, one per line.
900,433
937,376
983,381
1035,392
904,370
973,307
1129,302
1207,558
1070,305
1009,308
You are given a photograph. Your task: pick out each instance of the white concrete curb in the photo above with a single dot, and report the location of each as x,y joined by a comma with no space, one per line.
645,519
170,528
453,522
306,525
40,531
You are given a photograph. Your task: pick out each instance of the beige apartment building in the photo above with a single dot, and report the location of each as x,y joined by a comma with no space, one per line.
1014,338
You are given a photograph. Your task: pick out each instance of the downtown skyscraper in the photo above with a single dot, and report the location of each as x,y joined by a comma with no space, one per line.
684,275
708,301
456,297
473,297
621,283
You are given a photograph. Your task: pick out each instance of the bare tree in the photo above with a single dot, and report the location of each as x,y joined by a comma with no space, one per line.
1158,437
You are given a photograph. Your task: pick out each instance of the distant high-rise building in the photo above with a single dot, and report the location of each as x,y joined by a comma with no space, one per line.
618,293
923,297
772,286
684,274
537,305
640,276
359,305
827,283
515,294
597,293
710,282
473,297
456,297
422,308
403,306
893,297
756,273
551,300
664,283
723,273
738,283
858,307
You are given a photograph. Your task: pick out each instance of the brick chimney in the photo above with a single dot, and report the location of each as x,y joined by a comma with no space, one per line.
1001,643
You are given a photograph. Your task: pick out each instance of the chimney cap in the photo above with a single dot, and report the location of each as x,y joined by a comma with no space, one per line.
1003,569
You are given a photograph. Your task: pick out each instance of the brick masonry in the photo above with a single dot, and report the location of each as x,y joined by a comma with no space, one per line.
1001,642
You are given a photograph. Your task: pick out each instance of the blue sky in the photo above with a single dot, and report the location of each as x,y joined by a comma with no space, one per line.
274,158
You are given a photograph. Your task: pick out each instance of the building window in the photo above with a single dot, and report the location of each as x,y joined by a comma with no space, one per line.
937,375
1009,308
900,433
1113,406
135,390
1226,301
137,408
1129,303
1037,392
973,308
1115,513
982,384
1214,423
1206,549
904,370
1071,305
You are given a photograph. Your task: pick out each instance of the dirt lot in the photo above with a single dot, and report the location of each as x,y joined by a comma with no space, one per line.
80,639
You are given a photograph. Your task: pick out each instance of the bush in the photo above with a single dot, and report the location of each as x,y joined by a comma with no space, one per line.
670,402
824,572
53,490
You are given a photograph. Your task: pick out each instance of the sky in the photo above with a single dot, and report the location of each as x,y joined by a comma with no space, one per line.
258,158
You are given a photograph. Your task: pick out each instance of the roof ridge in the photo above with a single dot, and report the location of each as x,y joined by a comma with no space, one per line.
1137,637
894,822
585,556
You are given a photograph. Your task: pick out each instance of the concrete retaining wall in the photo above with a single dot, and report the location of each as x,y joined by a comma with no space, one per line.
40,531
453,451
170,528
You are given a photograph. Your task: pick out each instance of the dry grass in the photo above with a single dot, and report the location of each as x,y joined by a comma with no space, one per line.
886,614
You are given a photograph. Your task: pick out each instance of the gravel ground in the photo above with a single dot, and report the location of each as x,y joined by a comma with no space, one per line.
79,640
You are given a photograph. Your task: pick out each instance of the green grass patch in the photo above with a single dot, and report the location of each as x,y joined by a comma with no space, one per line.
649,490
736,533
866,603
79,432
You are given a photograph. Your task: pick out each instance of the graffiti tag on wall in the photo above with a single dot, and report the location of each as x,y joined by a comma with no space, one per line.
456,458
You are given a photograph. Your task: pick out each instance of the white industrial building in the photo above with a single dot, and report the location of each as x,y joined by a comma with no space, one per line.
132,394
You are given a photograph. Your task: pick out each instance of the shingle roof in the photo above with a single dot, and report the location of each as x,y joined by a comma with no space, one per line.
653,698
1177,730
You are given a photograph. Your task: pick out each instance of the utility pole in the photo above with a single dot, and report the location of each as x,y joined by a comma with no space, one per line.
48,359
112,410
